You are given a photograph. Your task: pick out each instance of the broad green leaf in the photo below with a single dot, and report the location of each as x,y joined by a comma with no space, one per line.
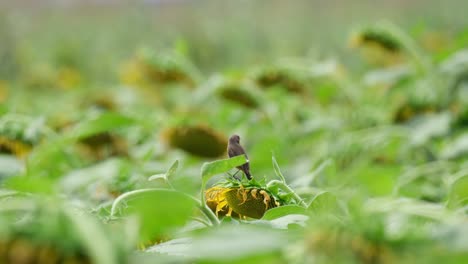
408,206
426,182
457,63
17,204
308,179
94,239
159,210
209,169
10,165
323,203
457,148
458,195
283,211
31,184
51,156
49,159
107,171
376,179
102,123
290,220
428,127
235,242
174,247
7,193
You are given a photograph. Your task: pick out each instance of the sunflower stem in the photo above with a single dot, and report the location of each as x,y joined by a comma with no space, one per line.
209,214
205,209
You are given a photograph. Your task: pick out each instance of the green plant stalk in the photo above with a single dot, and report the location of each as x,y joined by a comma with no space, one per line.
209,214
286,187
205,209
277,168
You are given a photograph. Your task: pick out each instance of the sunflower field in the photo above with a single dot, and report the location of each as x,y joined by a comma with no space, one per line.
115,120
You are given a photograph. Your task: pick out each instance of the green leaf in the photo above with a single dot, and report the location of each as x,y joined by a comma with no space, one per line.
172,170
7,193
10,165
430,126
283,211
458,195
166,176
323,203
277,169
408,206
159,210
94,239
209,169
223,245
457,148
235,242
49,159
308,179
174,247
287,221
102,123
31,184
106,171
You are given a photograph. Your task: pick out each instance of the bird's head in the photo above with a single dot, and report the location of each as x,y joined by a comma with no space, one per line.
234,139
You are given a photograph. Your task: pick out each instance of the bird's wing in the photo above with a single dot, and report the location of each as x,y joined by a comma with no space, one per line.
231,152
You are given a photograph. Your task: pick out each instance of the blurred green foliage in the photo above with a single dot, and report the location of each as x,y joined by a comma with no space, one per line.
114,124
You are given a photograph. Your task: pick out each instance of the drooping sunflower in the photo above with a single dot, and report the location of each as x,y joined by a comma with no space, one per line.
237,91
18,135
277,76
240,200
198,140
15,147
378,45
150,67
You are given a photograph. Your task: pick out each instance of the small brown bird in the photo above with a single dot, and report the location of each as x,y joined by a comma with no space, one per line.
235,149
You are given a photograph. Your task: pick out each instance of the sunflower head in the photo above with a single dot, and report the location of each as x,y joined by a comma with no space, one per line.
376,37
164,68
198,140
103,145
282,77
68,78
18,135
240,200
378,45
235,91
412,108
101,101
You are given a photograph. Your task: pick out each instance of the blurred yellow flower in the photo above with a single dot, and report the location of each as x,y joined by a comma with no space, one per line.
68,78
